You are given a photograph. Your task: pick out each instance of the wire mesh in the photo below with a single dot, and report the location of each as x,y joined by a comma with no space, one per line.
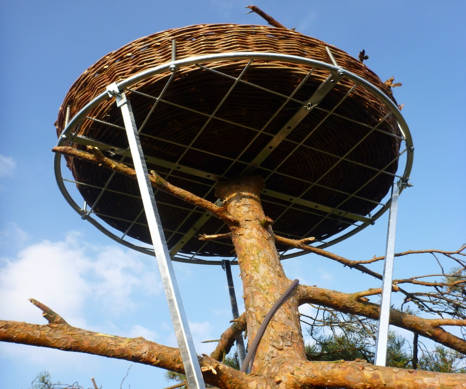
188,159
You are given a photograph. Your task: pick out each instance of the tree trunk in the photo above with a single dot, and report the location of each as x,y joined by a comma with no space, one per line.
263,278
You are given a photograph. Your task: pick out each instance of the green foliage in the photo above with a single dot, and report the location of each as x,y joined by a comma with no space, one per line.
356,344
43,380
444,360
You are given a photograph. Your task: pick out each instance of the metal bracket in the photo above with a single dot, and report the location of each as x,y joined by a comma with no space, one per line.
172,66
114,91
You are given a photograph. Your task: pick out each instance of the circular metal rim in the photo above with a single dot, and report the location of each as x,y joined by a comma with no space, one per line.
172,66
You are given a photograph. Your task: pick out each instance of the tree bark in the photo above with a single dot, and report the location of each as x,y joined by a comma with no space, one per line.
69,338
263,278
362,375
298,374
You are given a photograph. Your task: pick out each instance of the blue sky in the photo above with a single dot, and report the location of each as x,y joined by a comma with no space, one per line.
49,253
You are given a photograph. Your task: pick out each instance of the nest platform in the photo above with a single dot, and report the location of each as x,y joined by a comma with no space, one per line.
327,145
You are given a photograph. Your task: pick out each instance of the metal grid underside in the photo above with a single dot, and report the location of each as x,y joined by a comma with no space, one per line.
205,180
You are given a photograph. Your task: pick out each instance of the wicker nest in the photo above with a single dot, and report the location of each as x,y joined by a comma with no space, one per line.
229,141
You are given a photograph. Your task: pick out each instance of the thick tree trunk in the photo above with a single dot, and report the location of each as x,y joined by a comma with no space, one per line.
263,279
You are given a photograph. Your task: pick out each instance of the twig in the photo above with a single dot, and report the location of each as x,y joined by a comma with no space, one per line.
126,376
51,316
228,337
267,17
347,262
214,236
392,84
178,385
94,383
409,252
415,350
211,341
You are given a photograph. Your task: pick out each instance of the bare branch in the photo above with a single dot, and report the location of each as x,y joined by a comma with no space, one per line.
267,17
140,350
347,262
410,252
214,236
228,338
97,157
178,385
51,316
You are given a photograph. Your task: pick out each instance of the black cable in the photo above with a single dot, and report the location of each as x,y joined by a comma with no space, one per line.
249,360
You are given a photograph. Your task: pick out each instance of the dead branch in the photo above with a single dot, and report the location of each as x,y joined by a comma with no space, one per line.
349,303
410,252
366,293
214,236
392,84
347,262
51,316
228,338
97,157
140,350
267,17
178,385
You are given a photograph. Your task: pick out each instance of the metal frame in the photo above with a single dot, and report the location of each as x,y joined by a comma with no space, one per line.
384,321
226,265
178,316
336,73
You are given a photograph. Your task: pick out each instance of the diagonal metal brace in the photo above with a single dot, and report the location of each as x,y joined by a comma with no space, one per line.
178,316
384,320
322,90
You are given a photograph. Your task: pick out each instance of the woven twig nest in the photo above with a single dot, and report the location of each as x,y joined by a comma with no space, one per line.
305,165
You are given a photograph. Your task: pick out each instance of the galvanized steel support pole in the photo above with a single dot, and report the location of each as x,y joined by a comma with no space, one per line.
182,332
382,333
234,309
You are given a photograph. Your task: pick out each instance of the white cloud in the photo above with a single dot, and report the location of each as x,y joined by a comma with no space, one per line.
74,279
68,276
138,330
49,272
202,331
7,166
